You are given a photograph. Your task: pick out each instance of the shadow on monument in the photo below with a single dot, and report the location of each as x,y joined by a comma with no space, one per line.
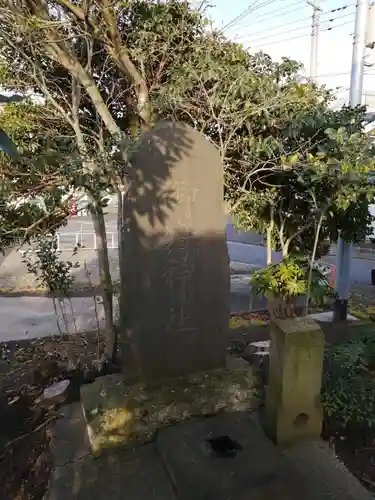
176,301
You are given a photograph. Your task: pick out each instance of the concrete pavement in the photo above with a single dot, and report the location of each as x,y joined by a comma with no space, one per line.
25,318
183,463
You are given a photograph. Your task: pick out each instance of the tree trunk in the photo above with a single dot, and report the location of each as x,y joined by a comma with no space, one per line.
105,279
269,238
316,241
285,249
269,247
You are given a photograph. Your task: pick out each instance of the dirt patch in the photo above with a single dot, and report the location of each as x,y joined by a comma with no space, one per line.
362,301
25,458
342,333
78,290
26,369
358,454
22,361
42,292
261,318
253,327
356,449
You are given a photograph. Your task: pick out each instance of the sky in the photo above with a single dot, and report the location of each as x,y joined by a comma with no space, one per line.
283,28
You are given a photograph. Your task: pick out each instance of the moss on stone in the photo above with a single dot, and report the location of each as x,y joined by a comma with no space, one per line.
237,322
359,313
118,414
258,322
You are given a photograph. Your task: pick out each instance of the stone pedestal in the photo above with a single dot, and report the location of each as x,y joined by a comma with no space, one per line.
293,410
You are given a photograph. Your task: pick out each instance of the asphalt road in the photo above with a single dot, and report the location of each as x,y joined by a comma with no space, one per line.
242,247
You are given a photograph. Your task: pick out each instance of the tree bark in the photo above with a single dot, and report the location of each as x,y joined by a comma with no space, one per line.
105,279
111,39
269,237
59,49
97,216
316,241
285,249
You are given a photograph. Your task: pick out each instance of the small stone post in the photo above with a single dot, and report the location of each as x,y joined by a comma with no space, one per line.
293,410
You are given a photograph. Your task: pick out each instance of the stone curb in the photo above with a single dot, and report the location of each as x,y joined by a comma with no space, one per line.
359,256
357,253
242,268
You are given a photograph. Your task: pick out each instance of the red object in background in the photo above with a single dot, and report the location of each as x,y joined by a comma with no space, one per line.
73,209
332,277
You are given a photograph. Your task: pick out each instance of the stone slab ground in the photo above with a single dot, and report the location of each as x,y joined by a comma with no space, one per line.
121,475
257,471
327,317
179,465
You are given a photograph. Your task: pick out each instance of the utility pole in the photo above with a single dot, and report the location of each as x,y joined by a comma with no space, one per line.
314,38
344,249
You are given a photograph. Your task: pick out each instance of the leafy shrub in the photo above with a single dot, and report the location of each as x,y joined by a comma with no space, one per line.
348,393
50,271
288,280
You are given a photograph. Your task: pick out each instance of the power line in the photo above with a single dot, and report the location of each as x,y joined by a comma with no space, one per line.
298,36
235,19
342,7
271,14
338,25
256,40
339,17
329,75
249,10
245,13
278,26
267,15
281,41
296,21
282,33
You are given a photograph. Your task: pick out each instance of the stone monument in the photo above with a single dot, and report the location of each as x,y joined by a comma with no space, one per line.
293,410
177,265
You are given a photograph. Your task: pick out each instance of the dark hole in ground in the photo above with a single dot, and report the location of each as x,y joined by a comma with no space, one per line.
223,446
301,420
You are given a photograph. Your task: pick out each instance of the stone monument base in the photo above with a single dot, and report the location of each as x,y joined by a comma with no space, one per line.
124,415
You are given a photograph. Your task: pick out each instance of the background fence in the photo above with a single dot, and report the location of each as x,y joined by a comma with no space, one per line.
86,239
